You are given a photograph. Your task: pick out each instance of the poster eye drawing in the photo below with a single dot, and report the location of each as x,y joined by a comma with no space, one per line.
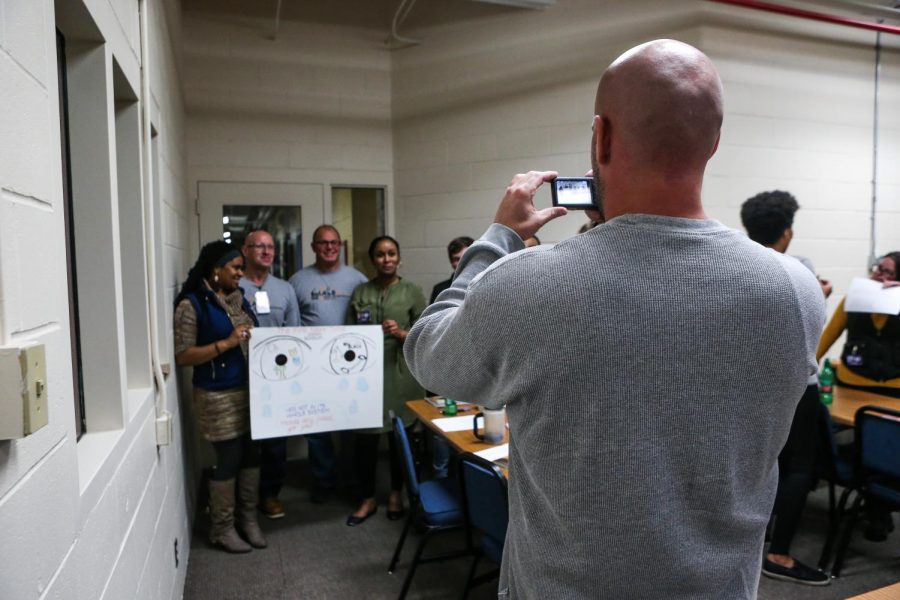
281,357
348,353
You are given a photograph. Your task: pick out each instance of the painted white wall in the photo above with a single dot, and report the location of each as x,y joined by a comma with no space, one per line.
312,106
97,518
478,102
446,124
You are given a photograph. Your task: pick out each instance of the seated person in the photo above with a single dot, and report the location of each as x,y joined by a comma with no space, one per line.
440,450
870,359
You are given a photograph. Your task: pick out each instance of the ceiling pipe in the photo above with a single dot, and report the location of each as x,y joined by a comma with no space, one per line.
872,221
396,41
810,14
277,20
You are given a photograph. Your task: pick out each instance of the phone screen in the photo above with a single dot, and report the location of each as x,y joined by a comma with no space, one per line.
573,192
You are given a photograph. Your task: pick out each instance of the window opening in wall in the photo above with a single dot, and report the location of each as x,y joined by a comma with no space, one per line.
358,213
134,302
283,222
71,277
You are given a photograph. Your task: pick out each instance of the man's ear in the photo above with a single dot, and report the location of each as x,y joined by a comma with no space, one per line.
604,140
785,240
716,145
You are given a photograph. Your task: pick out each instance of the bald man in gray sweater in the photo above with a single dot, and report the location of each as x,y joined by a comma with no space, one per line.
650,367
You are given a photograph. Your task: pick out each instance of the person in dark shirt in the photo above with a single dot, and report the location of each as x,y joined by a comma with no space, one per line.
455,249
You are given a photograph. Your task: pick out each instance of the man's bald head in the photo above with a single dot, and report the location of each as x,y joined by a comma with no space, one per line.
662,102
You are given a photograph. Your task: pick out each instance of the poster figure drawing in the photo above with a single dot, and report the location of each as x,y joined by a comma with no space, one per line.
311,379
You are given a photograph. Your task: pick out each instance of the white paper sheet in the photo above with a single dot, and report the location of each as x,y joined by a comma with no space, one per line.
463,423
868,296
496,453
310,379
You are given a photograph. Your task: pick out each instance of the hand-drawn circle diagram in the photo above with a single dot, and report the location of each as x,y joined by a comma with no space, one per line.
348,353
281,357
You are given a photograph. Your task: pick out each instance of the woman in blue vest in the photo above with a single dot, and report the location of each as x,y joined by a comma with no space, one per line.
212,332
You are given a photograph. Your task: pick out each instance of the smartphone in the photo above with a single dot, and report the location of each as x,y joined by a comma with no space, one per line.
573,192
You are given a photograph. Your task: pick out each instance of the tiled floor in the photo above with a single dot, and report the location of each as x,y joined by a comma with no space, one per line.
313,554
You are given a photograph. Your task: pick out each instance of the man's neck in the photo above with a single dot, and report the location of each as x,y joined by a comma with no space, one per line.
257,275
682,201
324,267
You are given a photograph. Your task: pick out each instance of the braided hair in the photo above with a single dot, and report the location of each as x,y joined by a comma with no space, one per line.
213,254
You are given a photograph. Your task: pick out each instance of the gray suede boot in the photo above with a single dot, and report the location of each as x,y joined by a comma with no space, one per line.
248,498
221,511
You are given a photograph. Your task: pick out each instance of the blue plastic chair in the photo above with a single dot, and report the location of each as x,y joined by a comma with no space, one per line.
878,465
838,469
436,503
486,510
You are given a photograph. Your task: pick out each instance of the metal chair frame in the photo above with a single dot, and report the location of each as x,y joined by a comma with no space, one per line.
500,479
869,471
416,510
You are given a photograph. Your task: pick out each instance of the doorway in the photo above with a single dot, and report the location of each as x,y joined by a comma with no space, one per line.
358,214
289,211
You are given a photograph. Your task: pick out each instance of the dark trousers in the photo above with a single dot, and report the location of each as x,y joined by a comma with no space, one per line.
322,459
234,455
273,459
273,466
796,471
367,462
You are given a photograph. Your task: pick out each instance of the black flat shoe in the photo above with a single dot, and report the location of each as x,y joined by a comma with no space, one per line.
353,520
395,515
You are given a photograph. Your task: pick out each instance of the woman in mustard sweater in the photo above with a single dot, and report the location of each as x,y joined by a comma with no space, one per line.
870,359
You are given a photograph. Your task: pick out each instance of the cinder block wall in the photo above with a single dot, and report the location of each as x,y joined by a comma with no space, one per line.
311,106
97,518
477,103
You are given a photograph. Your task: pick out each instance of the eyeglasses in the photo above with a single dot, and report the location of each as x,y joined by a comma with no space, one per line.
879,270
327,242
269,247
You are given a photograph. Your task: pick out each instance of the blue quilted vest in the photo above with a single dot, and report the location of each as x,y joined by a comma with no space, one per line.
229,369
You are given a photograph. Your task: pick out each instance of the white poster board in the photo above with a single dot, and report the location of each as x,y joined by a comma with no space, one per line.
869,296
310,379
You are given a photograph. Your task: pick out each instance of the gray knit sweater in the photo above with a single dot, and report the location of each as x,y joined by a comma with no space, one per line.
650,368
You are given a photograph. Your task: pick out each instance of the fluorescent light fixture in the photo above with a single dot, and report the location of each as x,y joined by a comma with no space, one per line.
225,220
227,241
226,235
521,3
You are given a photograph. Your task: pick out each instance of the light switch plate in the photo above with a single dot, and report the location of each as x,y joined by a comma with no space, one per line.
23,390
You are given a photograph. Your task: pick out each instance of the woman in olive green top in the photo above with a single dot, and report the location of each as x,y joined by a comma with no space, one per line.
396,304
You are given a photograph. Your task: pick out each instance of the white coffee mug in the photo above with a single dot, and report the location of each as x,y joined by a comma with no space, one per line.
494,425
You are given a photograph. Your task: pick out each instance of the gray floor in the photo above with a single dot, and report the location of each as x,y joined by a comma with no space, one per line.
313,554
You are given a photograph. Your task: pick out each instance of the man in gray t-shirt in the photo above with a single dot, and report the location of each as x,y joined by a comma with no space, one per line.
323,292
275,305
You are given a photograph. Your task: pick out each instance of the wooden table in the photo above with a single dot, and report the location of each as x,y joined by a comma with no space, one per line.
891,592
463,441
848,400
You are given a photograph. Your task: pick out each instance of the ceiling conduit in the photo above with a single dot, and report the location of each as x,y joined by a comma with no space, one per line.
848,22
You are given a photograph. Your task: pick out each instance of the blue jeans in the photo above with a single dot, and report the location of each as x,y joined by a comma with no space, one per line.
440,456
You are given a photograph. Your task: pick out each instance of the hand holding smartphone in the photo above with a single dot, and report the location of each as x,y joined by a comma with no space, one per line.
574,193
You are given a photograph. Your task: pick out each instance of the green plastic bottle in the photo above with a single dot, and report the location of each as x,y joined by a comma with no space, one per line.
449,407
826,383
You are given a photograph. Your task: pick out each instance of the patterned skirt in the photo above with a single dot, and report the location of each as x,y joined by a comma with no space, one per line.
222,414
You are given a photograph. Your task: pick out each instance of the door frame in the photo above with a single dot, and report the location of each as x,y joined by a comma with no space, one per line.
213,195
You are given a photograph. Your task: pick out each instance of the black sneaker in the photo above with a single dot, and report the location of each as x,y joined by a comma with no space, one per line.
799,573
